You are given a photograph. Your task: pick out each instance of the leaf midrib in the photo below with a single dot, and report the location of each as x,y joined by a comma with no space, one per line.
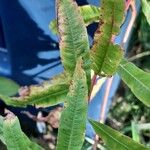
109,41
72,36
136,79
110,136
75,108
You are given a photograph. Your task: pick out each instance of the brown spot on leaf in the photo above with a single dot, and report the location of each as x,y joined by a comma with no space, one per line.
24,91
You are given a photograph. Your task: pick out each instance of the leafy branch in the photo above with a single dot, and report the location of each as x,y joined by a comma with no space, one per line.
74,86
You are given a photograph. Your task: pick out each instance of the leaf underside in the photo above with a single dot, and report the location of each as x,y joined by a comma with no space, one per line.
73,118
136,79
49,93
105,56
73,37
115,140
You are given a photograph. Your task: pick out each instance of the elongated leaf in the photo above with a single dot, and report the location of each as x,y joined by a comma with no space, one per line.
135,132
73,37
146,9
8,87
136,79
73,118
115,140
104,55
49,93
15,139
89,13
1,130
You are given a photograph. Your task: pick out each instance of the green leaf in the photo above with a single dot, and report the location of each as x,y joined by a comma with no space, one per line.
1,130
73,37
115,140
8,87
53,26
89,13
136,79
135,132
105,56
73,118
49,93
15,139
146,9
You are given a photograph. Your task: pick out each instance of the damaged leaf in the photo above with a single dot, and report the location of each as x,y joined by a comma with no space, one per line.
73,37
49,93
89,13
106,56
73,118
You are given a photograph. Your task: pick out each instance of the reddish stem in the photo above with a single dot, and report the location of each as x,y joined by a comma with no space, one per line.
92,85
128,2
103,108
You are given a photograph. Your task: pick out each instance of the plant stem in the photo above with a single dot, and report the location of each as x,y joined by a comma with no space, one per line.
139,56
103,108
92,85
145,126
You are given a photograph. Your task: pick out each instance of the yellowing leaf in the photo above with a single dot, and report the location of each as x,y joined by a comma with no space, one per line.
49,93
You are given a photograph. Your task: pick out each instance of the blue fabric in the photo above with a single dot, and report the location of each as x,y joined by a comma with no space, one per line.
32,49
29,51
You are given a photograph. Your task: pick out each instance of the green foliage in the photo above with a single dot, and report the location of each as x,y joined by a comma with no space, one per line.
137,80
73,119
144,35
115,140
53,26
12,135
73,37
146,9
135,132
89,13
1,130
8,87
49,93
105,55
105,59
